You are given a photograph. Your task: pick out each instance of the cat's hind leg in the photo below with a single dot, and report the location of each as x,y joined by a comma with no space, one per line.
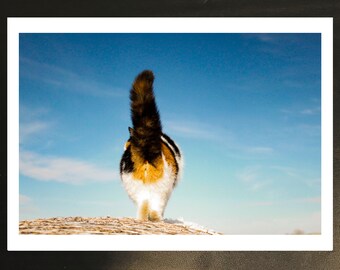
146,213
143,211
156,209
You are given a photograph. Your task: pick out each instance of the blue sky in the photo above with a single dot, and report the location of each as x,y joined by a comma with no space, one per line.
244,108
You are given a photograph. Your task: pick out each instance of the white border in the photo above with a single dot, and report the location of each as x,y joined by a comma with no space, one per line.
171,25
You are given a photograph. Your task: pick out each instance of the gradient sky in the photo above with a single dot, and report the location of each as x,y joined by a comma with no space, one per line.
244,108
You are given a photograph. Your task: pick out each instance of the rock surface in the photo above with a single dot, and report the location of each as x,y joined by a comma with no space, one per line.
107,225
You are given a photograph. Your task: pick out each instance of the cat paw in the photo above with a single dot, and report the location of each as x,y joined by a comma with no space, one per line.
155,216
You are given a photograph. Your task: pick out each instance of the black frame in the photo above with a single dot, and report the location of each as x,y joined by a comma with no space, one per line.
157,259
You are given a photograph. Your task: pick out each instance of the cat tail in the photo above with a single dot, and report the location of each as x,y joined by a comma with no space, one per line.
146,133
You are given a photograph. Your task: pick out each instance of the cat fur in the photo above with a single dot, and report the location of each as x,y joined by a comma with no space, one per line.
152,162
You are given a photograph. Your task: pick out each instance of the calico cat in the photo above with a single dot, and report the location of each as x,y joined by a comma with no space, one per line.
152,162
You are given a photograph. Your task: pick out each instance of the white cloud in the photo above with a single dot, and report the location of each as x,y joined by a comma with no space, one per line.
291,172
263,37
252,177
24,200
286,111
311,111
64,170
267,38
193,130
306,111
59,77
33,124
257,177
28,112
28,129
214,133
310,130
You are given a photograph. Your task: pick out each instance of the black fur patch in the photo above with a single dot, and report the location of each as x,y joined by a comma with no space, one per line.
172,143
173,154
145,117
126,163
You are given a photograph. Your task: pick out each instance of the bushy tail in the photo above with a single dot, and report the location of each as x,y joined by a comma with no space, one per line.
147,128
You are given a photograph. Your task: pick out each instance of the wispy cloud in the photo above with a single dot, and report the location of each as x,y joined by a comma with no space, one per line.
194,130
310,130
214,133
33,123
303,177
311,111
266,38
66,79
301,121
28,112
253,178
61,169
304,112
24,200
29,129
286,111
287,171
277,178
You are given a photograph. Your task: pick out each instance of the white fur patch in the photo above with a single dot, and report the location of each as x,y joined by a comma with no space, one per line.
156,194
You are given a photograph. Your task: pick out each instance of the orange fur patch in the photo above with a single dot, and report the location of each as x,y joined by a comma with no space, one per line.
151,173
144,211
154,216
144,171
169,157
127,145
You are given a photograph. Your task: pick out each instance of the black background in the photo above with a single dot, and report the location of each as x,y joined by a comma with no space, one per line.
167,260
